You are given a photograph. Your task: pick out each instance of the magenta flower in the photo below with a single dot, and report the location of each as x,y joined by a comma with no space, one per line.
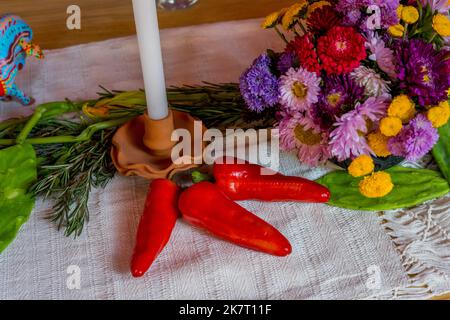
381,54
353,12
423,71
348,139
300,134
415,140
441,6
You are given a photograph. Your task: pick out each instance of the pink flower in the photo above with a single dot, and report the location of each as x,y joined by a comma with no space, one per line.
299,89
298,133
383,55
348,139
374,109
442,6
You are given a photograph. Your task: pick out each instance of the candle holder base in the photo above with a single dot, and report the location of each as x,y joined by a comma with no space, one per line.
143,146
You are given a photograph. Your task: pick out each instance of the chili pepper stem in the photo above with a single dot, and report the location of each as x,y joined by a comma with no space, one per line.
198,176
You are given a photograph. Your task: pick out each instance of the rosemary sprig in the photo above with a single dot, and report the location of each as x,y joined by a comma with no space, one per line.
218,105
68,176
74,153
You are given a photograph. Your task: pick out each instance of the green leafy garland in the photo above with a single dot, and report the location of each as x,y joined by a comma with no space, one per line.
73,140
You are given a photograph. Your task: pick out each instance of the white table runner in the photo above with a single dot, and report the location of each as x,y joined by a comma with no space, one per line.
337,253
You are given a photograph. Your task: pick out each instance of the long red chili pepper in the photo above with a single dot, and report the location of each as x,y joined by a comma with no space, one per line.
250,182
156,225
206,206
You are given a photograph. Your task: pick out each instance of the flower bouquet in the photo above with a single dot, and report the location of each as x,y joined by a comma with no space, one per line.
363,84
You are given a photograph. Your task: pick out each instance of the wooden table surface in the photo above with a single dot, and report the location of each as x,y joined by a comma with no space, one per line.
104,19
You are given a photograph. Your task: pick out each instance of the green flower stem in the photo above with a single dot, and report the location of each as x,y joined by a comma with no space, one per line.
37,115
83,136
282,36
432,37
55,109
47,110
419,7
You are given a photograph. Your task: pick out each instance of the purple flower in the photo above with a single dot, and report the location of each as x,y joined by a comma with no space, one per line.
287,60
337,92
423,71
441,6
259,87
353,9
348,139
374,108
415,140
380,53
388,11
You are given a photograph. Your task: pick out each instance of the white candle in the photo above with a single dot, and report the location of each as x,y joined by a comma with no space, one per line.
146,19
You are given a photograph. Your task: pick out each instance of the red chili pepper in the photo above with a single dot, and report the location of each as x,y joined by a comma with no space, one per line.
248,182
206,206
156,225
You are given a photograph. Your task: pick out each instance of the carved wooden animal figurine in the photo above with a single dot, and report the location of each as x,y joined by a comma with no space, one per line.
15,47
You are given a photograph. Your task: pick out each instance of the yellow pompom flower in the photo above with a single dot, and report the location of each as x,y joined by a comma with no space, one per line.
397,30
391,126
361,166
316,5
439,115
399,11
377,185
271,20
410,14
441,24
403,108
290,17
378,142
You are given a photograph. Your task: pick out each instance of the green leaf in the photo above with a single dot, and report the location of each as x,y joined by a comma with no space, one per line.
411,187
17,173
441,151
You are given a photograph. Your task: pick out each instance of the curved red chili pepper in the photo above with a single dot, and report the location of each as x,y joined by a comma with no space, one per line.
250,182
206,206
156,225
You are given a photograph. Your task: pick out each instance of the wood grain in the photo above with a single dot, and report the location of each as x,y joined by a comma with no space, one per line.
442,297
104,19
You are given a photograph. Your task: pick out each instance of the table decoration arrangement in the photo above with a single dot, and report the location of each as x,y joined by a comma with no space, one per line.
366,99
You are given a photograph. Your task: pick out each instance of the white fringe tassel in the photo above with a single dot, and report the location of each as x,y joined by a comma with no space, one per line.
421,235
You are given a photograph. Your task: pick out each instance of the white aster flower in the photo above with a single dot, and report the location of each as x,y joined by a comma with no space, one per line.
374,85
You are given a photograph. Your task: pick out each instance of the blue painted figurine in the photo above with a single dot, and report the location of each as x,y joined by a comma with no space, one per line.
15,47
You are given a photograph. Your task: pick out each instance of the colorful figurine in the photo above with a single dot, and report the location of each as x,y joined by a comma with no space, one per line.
15,47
